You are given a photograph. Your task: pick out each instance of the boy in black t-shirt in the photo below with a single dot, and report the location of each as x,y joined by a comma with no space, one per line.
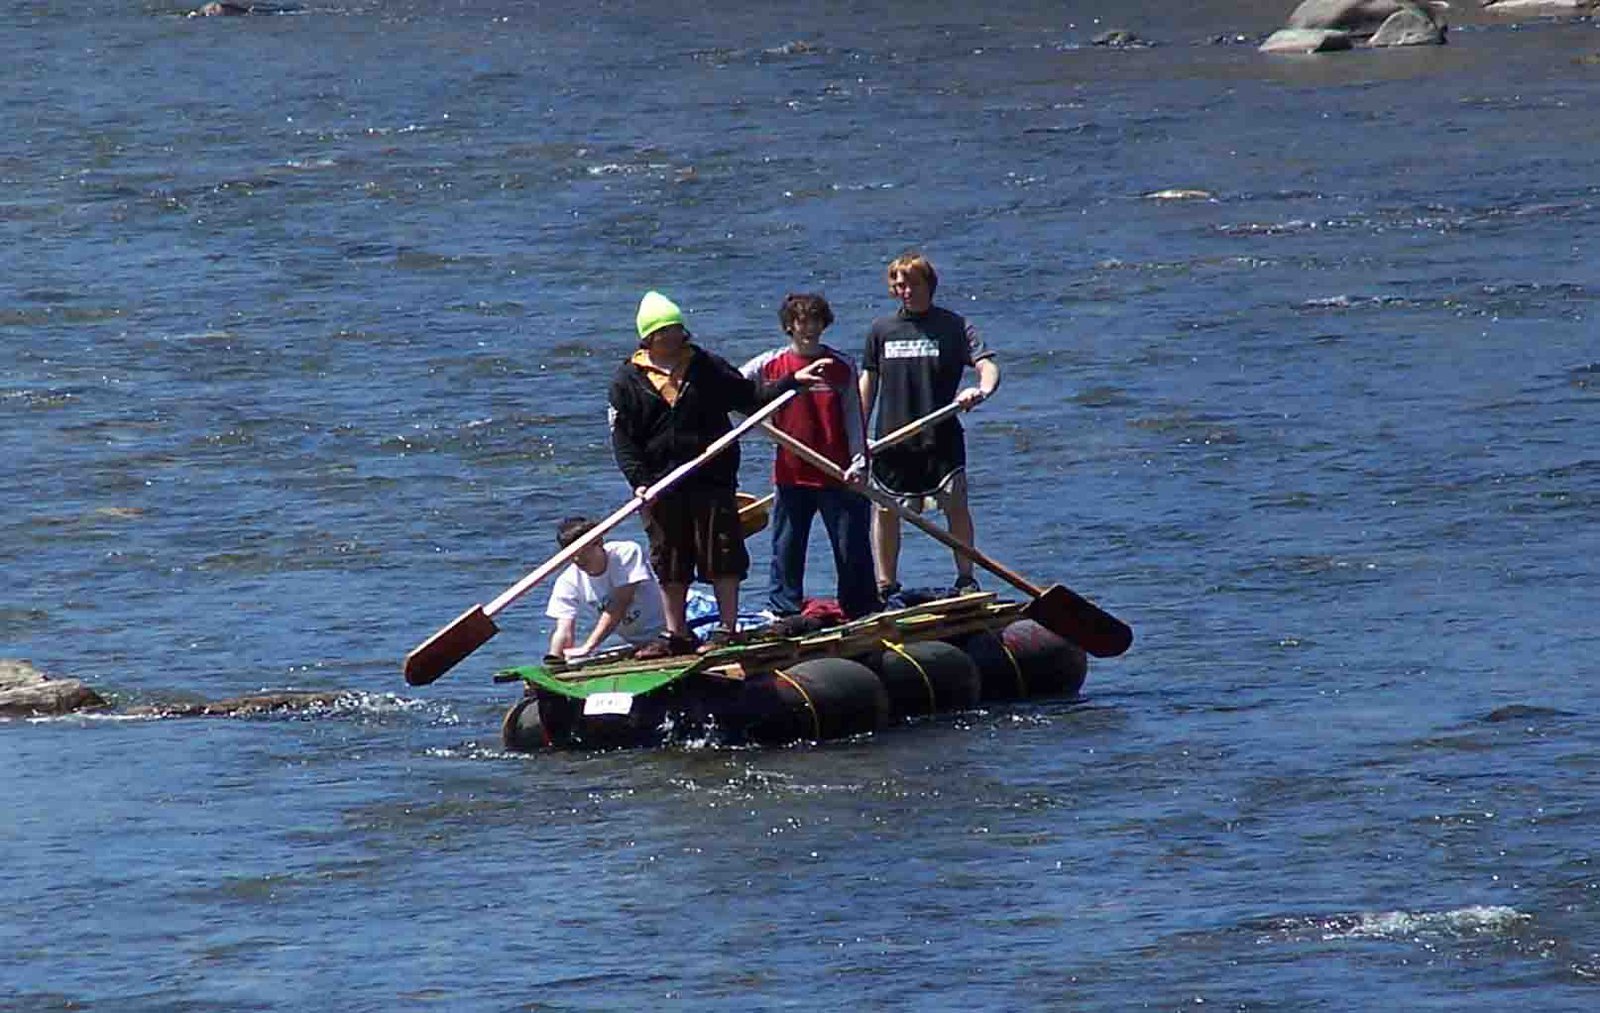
913,366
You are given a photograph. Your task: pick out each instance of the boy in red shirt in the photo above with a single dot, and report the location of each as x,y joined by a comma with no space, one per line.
828,419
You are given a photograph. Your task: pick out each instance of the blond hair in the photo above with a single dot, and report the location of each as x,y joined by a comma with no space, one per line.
912,262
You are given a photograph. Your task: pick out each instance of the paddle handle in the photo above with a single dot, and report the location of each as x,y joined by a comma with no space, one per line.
833,471
914,427
599,531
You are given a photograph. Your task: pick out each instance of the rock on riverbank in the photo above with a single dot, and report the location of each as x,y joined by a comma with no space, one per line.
27,692
1320,26
1539,8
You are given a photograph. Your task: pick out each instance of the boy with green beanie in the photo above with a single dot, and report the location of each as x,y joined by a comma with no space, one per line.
669,401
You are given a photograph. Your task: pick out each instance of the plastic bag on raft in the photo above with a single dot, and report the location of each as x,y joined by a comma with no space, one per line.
700,609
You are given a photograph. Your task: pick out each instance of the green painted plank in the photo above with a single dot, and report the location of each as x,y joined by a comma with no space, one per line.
636,683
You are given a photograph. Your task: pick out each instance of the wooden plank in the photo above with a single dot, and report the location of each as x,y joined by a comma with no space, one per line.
688,663
942,606
775,650
610,656
929,621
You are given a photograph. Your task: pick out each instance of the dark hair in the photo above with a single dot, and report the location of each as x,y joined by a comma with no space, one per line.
572,529
804,304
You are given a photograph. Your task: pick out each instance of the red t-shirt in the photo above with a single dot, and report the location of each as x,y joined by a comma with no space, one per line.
827,419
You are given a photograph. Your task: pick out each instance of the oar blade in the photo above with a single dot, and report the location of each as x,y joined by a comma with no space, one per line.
445,649
1081,621
753,513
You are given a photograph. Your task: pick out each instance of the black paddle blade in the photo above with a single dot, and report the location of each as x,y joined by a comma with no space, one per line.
445,649
1081,621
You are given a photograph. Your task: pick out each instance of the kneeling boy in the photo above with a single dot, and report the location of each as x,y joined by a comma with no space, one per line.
609,584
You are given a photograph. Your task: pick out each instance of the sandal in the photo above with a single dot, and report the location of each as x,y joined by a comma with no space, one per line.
668,645
721,638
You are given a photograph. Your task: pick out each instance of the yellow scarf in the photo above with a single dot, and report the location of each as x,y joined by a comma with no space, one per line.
667,382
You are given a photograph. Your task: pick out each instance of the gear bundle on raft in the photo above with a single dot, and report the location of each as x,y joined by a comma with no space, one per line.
949,654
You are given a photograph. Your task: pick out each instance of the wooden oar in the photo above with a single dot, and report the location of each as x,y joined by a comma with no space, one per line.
914,427
754,513
1057,608
473,628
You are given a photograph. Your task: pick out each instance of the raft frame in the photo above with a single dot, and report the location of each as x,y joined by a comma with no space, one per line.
776,689
935,620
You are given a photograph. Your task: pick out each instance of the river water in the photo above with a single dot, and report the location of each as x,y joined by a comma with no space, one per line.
305,325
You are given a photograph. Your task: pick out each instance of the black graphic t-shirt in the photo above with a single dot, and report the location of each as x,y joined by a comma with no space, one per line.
919,359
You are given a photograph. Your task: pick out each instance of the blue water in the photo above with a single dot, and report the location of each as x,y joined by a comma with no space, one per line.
305,325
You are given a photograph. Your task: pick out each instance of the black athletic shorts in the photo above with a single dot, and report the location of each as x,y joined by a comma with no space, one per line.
922,466
693,531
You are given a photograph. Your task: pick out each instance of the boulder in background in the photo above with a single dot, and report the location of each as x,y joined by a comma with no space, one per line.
1409,28
1535,8
1306,40
27,692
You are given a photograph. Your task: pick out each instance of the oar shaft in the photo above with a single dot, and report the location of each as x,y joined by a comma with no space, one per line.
833,471
599,531
562,558
914,427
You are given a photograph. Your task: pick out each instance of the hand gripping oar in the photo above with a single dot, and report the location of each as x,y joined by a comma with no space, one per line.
1057,608
473,628
755,513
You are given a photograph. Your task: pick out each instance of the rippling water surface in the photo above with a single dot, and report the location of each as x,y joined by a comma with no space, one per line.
305,324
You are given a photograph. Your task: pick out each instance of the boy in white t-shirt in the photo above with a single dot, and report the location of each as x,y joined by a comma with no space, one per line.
610,584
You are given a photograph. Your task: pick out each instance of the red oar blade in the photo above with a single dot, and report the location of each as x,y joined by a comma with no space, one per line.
445,649
1081,621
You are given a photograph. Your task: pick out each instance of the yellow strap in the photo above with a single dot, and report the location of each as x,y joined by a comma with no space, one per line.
1022,684
816,722
933,700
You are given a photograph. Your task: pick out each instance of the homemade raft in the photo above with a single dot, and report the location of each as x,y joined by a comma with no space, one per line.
949,654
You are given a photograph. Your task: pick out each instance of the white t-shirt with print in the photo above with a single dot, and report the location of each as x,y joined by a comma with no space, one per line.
577,595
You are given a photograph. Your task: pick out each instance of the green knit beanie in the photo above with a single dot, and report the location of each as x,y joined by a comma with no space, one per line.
655,312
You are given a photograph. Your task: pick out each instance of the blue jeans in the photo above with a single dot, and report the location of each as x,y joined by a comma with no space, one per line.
848,518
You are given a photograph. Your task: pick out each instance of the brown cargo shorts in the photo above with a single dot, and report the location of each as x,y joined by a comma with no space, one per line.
696,531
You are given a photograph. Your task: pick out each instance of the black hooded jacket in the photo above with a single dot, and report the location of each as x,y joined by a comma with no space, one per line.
651,437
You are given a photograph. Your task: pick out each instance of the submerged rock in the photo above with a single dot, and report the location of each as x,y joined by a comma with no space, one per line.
1377,23
1306,40
1361,17
1119,38
27,692
1535,8
227,9
1180,193
798,47
245,706
1409,28
1525,712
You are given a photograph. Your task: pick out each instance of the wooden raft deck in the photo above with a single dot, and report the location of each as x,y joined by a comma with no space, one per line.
934,620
